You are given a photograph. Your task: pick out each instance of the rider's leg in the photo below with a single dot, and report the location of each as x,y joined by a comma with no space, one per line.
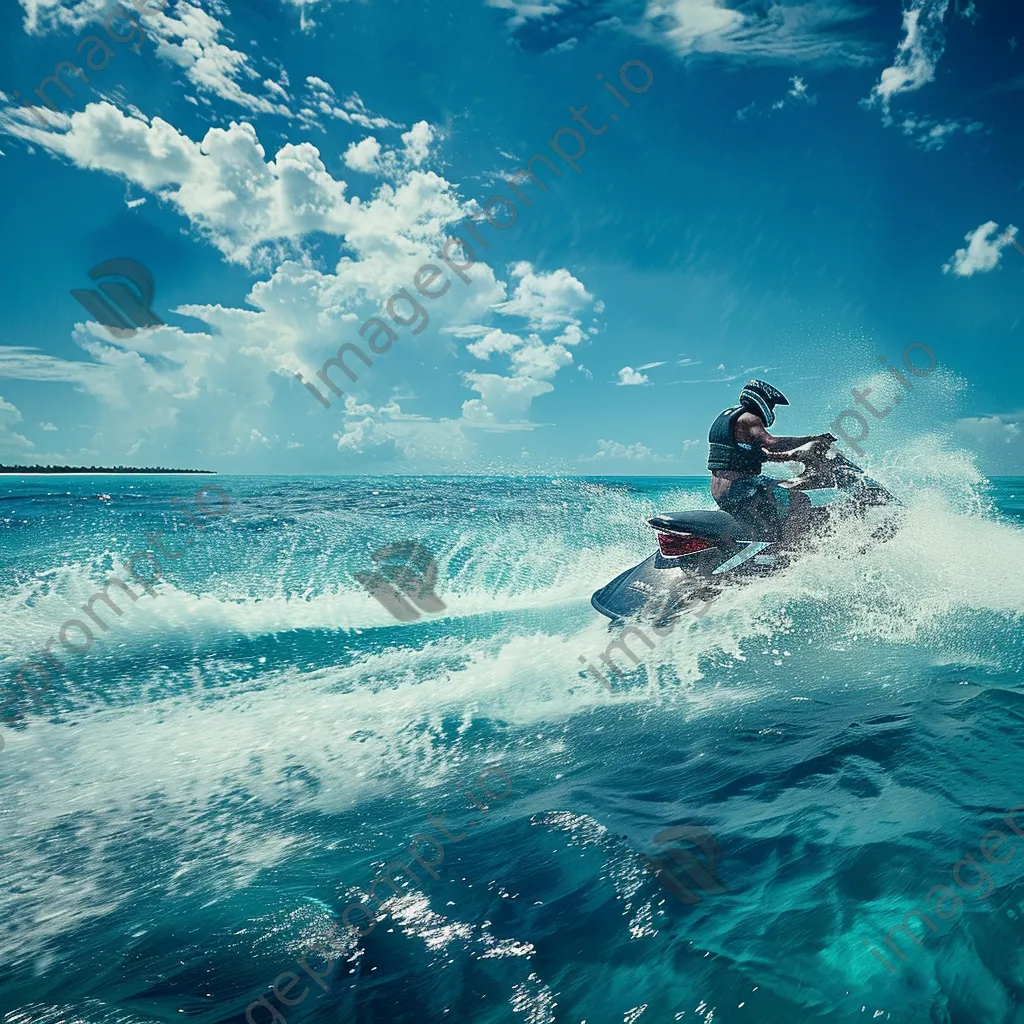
797,523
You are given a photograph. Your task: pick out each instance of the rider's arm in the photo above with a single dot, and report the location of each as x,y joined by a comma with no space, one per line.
776,449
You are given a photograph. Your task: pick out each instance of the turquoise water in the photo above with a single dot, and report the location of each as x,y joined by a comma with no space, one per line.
193,803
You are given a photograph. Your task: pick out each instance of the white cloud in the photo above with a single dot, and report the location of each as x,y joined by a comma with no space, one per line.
360,436
417,142
30,364
650,366
933,135
503,400
527,10
9,439
628,377
811,31
983,251
190,40
1002,428
237,198
537,360
47,426
223,384
320,100
367,156
608,450
572,335
494,341
917,54
546,300
388,433
363,156
999,440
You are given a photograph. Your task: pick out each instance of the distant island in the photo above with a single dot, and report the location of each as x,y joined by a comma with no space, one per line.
99,469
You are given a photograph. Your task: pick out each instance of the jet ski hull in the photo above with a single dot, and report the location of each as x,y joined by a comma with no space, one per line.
701,551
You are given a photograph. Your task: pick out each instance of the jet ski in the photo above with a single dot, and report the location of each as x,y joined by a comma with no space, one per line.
702,551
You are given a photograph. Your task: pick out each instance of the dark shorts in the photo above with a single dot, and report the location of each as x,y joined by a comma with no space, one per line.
759,502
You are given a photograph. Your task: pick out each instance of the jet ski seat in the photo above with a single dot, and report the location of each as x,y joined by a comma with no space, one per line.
712,524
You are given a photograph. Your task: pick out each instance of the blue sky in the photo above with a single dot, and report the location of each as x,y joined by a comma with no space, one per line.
802,188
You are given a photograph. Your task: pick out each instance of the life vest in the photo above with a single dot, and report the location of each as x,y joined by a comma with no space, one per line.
725,452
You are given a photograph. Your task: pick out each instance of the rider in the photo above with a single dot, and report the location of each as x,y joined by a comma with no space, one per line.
740,445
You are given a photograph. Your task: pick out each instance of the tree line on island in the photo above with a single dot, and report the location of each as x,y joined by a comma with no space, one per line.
99,469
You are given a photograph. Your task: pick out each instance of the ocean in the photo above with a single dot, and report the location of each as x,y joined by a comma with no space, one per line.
207,786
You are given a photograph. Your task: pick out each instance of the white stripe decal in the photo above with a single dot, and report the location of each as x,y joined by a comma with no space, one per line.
752,548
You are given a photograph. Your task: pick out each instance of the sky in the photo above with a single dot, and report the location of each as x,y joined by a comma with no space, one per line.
781,190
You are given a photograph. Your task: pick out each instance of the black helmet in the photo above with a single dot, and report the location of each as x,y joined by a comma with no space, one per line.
761,398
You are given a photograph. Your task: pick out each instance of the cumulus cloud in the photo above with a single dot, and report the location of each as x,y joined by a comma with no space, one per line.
363,156
609,450
983,252
9,439
494,340
1003,428
369,157
917,54
503,400
629,377
258,208
388,433
190,38
230,192
546,300
540,361
417,142
999,440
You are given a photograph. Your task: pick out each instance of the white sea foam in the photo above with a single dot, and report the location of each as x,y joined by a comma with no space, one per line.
228,773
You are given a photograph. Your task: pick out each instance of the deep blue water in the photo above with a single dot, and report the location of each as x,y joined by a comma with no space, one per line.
191,806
